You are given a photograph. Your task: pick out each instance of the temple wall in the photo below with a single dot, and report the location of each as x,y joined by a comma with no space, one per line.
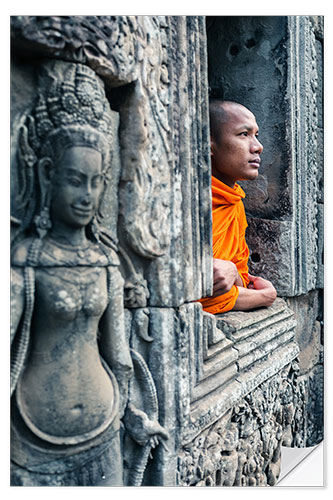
228,387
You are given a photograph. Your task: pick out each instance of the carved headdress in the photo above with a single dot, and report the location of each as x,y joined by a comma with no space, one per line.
71,110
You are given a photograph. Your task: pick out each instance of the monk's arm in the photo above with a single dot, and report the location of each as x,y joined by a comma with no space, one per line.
260,293
225,275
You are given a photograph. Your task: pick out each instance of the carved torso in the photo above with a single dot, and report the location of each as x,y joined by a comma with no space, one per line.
65,395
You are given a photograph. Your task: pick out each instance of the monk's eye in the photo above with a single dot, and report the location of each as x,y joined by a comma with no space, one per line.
244,133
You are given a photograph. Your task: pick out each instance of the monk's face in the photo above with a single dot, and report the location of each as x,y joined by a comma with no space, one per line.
236,151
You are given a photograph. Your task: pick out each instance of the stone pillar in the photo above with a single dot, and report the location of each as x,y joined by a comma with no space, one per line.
158,212
274,66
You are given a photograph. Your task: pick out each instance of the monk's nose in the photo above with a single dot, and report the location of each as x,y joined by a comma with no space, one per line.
257,147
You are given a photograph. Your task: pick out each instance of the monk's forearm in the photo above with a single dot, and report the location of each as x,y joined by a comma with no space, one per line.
250,299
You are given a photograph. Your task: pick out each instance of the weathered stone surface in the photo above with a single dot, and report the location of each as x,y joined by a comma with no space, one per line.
265,335
321,244
307,428
189,253
308,314
269,242
242,448
162,101
309,335
105,43
156,344
200,396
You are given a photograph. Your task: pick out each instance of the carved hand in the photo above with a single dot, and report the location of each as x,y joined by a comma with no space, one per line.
141,428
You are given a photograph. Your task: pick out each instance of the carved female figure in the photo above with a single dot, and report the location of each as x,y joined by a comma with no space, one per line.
70,359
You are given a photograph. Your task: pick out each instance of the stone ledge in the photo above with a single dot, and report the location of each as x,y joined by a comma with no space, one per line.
209,408
238,321
247,349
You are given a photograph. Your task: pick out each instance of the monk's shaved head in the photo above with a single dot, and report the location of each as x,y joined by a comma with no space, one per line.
219,113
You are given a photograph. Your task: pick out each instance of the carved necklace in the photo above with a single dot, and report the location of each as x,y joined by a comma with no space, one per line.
55,253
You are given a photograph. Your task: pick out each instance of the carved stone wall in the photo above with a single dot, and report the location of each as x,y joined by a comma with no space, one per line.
239,402
154,72
274,66
243,448
146,65
227,393
224,388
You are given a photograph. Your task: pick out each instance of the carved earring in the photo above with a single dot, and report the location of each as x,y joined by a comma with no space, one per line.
43,222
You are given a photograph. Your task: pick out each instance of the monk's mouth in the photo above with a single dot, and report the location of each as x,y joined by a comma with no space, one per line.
255,163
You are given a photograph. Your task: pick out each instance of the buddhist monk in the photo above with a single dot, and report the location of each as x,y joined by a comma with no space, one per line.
235,156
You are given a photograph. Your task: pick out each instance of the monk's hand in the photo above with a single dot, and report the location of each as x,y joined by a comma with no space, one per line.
225,275
265,287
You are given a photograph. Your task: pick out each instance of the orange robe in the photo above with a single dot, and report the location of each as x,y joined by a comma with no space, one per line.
229,225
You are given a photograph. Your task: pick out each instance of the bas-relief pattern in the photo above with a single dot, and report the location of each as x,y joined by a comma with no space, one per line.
117,49
105,43
141,162
70,361
155,101
243,447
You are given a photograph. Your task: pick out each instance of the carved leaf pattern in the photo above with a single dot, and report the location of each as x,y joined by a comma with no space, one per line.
106,43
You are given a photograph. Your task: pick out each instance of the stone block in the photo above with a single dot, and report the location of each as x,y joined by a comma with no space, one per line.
269,242
308,314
